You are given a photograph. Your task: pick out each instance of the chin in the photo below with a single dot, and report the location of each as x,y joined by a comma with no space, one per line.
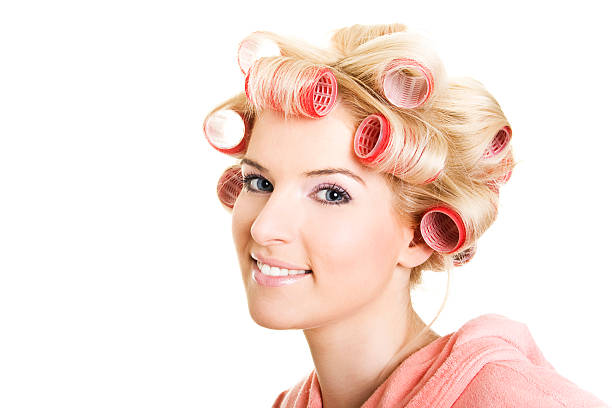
265,315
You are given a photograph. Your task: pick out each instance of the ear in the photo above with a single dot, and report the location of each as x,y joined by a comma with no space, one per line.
415,251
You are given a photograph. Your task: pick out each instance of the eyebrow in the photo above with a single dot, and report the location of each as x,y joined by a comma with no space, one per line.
311,173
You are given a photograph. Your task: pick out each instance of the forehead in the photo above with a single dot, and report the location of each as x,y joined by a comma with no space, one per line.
308,142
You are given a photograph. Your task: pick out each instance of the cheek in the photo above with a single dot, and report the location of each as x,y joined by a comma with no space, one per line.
353,245
241,224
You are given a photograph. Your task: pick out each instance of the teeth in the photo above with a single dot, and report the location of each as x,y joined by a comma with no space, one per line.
275,271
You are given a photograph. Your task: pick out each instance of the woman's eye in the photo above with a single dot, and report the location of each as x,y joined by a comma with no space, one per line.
256,183
332,194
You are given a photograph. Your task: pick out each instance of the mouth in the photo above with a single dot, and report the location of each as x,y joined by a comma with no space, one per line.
273,277
275,271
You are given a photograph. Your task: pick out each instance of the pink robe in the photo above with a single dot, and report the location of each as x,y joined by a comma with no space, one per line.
491,361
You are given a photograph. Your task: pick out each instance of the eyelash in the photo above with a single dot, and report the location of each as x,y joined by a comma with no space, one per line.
246,182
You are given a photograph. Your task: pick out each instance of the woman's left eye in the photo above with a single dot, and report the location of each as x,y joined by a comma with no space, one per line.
332,194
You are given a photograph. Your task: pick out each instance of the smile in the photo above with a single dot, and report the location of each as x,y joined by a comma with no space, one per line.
276,271
271,276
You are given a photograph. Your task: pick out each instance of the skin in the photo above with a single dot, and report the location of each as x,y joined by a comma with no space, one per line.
357,300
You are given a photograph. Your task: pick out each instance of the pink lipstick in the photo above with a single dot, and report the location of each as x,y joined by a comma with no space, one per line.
274,281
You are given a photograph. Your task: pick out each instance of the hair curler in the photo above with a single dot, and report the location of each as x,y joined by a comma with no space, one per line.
229,186
463,257
407,90
316,98
225,130
506,165
371,138
255,46
319,98
499,142
434,178
443,229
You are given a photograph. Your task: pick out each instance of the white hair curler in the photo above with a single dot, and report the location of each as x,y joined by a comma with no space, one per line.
407,90
443,230
229,186
253,47
225,130
499,143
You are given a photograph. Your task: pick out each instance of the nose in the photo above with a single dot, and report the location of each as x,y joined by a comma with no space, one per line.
278,221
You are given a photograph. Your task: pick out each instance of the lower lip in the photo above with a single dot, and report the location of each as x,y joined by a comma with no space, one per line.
273,281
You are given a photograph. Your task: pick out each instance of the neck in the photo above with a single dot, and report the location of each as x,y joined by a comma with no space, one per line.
356,354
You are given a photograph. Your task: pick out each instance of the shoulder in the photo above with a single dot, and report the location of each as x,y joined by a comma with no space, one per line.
305,392
522,384
279,400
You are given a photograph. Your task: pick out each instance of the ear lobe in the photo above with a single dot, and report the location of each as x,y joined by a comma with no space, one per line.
416,252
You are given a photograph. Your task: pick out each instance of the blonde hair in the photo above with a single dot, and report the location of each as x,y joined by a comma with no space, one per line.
444,140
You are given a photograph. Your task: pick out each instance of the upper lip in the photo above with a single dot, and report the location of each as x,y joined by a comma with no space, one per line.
279,264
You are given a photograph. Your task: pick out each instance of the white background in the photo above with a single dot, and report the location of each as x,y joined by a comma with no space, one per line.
119,284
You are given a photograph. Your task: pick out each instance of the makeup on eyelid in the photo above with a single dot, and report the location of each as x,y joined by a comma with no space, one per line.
332,187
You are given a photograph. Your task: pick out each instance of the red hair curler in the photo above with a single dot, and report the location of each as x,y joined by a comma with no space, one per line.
253,47
319,98
229,186
465,256
499,142
225,130
443,229
404,90
371,138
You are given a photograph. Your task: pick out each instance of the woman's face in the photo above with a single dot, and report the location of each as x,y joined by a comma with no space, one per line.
301,206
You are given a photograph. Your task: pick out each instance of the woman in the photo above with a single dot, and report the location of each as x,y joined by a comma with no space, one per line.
360,167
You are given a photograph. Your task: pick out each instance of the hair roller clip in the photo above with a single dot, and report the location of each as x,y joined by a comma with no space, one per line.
443,230
465,256
225,130
499,142
371,138
319,98
407,90
229,186
253,47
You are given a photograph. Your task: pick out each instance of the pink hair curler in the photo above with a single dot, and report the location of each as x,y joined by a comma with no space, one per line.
404,90
465,256
246,85
506,165
225,131
371,138
253,47
443,230
319,98
499,142
229,186
434,178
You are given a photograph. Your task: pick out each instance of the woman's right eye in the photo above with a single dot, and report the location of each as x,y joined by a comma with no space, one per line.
255,182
